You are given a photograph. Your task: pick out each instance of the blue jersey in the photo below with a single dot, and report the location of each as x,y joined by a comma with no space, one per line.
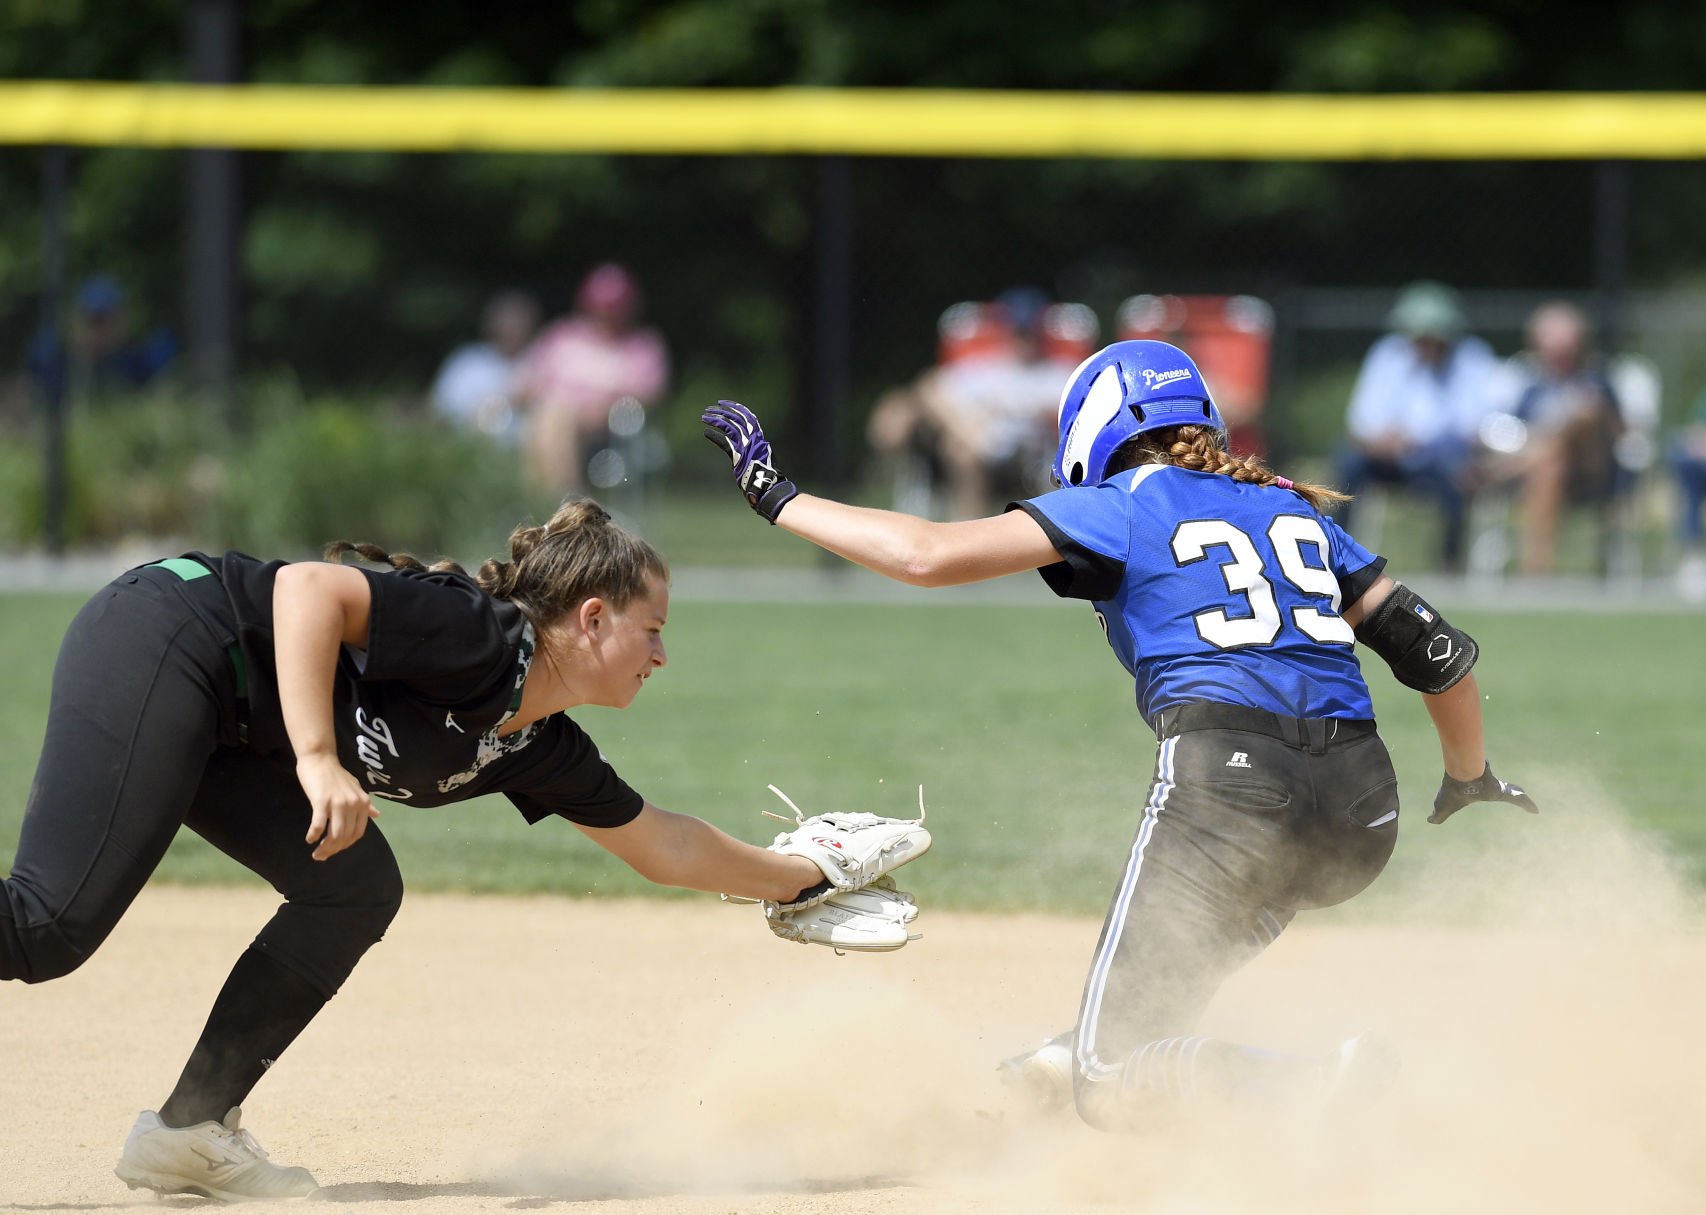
1214,589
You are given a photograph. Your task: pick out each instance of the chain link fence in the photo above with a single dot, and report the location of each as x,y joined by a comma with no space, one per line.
810,285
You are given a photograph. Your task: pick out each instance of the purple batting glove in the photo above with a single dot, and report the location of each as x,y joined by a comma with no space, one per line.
735,428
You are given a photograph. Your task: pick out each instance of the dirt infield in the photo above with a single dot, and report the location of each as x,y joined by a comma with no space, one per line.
674,1059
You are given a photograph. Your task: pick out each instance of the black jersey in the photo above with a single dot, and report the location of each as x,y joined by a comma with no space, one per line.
417,711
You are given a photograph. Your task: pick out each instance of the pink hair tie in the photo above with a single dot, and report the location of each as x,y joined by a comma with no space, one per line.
1282,482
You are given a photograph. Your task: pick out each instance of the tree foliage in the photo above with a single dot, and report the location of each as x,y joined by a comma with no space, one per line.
362,268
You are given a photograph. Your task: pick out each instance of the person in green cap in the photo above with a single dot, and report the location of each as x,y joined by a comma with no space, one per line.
1420,396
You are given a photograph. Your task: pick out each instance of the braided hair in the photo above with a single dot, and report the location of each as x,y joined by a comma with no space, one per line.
1199,448
579,553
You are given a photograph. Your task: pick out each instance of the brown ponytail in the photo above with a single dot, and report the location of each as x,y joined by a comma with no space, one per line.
1198,448
580,552
399,561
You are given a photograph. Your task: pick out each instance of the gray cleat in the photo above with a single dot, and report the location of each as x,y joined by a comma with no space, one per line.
1043,1076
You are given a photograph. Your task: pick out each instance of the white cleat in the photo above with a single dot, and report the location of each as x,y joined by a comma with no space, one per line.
1361,1071
1043,1076
213,1159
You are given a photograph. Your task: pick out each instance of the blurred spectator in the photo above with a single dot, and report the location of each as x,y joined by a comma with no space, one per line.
1558,441
100,358
1417,406
474,387
1688,458
991,400
580,368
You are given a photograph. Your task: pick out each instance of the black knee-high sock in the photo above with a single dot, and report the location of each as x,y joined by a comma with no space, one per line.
260,1011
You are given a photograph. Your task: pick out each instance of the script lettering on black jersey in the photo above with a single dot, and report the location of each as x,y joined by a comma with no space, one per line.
374,735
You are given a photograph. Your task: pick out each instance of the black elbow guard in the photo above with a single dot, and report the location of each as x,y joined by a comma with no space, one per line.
1424,652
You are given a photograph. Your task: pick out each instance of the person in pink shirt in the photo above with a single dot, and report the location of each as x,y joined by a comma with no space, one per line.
579,367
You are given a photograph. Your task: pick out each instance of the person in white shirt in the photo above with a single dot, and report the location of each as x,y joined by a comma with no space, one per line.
1418,402
475,388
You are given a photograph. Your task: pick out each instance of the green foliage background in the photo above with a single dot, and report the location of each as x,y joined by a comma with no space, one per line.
1017,723
362,269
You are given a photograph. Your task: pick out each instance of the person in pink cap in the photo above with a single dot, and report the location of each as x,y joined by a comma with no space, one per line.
580,366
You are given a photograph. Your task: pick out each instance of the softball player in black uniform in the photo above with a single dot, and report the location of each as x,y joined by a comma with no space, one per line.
1235,604
263,705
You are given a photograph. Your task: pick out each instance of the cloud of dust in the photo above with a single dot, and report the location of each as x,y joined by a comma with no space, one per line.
851,1080
1541,976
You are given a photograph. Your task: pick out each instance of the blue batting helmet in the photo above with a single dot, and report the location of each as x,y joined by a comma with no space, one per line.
1123,390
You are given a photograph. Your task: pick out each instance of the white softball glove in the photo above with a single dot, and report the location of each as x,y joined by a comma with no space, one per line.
852,850
873,919
856,906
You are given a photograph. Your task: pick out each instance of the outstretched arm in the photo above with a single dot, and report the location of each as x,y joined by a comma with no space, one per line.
918,551
902,547
680,850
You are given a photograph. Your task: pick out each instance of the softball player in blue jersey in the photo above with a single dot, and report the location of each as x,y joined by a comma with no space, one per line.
1236,606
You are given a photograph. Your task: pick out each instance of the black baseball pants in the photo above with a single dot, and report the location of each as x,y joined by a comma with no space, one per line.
142,738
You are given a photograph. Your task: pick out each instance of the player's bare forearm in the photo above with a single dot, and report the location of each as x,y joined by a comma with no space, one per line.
919,551
895,545
680,850
1456,715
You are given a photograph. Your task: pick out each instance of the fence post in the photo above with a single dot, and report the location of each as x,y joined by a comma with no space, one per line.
213,36
832,321
1610,249
55,193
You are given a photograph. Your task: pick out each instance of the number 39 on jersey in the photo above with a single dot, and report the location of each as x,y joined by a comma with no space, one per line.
1265,595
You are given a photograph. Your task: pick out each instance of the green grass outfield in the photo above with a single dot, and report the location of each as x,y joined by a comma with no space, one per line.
1017,721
